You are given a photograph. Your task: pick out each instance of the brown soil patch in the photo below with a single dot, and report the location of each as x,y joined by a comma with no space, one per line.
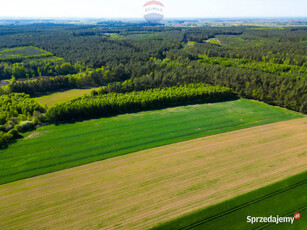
34,135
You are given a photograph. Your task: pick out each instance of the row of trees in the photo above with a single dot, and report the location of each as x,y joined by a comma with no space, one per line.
20,113
88,78
100,105
268,67
19,54
38,68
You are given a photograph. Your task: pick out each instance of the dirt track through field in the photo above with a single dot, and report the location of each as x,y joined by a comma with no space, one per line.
142,189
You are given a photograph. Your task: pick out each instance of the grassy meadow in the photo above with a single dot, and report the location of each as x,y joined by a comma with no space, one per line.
143,189
213,41
61,97
57,147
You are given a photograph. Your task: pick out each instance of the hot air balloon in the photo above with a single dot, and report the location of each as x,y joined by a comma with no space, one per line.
153,11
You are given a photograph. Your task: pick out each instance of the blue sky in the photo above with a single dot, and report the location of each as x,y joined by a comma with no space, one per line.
133,8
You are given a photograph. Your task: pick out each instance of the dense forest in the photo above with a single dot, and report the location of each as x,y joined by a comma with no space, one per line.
262,63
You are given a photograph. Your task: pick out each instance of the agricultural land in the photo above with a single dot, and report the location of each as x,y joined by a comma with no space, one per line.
143,189
191,124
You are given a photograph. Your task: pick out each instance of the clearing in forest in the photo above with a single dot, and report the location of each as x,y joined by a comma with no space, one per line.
61,97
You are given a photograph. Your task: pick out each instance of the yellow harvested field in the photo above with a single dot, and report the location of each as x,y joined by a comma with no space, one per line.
142,189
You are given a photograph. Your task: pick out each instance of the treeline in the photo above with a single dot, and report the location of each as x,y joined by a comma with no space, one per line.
268,67
94,106
282,90
285,91
88,78
18,113
19,54
20,57
39,67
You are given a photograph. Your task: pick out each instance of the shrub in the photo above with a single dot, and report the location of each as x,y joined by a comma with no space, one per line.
25,126
15,134
5,138
304,108
8,126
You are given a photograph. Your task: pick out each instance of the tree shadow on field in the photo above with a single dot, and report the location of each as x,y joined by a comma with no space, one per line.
232,97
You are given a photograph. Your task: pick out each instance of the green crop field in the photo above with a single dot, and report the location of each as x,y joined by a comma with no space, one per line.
57,147
61,97
144,189
283,198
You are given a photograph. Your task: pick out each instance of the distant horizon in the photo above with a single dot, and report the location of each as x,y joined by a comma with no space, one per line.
141,18
134,9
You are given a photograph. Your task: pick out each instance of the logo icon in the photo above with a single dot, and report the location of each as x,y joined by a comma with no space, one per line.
297,216
154,11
